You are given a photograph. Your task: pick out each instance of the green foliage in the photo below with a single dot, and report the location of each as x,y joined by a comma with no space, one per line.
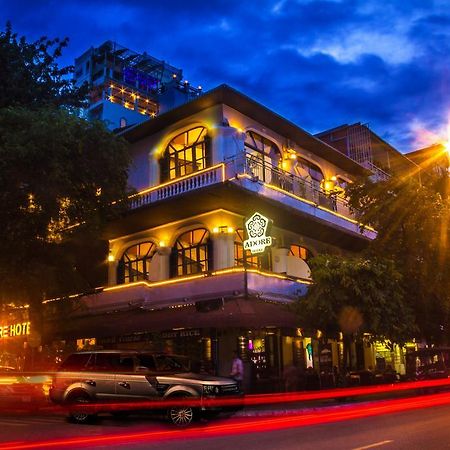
356,295
30,75
59,175
413,224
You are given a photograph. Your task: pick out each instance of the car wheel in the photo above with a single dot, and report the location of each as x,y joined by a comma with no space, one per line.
78,414
181,416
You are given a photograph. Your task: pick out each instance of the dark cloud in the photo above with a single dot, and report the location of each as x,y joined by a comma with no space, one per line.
318,63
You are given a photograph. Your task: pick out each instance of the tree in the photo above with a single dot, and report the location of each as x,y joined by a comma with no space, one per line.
413,225
355,296
59,175
30,75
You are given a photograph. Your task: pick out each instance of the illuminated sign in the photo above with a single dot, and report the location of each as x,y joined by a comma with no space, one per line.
256,228
15,330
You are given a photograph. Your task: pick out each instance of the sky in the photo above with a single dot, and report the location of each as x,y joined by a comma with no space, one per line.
320,64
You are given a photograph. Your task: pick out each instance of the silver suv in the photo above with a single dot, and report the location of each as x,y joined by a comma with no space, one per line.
88,379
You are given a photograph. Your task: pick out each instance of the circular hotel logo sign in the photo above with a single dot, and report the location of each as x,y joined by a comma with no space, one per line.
256,228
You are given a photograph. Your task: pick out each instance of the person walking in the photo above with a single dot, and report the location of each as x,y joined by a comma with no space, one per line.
237,369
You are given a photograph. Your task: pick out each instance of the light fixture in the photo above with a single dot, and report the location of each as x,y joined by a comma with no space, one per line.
111,257
162,244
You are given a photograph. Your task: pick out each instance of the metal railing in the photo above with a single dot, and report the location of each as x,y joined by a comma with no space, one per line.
265,172
259,170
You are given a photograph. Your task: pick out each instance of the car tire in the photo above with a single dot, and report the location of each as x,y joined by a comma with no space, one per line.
181,416
76,413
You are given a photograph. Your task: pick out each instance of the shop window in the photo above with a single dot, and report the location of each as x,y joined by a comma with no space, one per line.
309,170
186,153
135,263
300,252
261,261
262,155
191,253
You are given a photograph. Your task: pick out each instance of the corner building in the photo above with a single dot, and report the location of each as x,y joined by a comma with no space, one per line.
178,278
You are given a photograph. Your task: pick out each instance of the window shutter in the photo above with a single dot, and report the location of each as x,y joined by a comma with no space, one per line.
173,262
164,166
208,151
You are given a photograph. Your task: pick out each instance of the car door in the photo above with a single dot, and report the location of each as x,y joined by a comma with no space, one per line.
132,379
101,377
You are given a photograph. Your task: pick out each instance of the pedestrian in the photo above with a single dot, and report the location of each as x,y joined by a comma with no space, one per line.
237,369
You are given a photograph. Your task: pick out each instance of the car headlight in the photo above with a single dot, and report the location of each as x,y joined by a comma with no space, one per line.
210,390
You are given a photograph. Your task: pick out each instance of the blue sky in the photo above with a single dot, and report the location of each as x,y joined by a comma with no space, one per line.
318,63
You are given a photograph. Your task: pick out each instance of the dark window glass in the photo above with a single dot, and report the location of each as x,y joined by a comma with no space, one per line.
147,361
192,252
135,263
168,364
185,154
125,364
106,362
76,362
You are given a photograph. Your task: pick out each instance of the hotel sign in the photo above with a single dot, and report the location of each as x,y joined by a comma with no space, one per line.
14,330
256,228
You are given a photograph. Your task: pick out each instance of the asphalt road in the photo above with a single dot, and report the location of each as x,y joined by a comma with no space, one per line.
427,428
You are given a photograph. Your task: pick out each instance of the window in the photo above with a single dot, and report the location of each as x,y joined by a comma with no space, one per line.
123,122
307,169
135,263
77,362
185,154
261,261
191,253
262,154
300,252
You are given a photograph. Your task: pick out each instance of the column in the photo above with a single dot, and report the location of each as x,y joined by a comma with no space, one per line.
223,250
279,259
160,264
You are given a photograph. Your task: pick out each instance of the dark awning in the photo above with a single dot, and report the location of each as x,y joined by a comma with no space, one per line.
238,313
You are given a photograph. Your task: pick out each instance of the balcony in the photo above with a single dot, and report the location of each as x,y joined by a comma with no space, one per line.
180,186
265,180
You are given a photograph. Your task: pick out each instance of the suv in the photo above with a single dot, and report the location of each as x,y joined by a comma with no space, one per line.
126,376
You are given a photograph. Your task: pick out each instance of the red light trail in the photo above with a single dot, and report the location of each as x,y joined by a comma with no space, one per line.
239,426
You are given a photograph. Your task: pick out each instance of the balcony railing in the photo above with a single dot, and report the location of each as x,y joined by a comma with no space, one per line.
263,171
189,183
258,170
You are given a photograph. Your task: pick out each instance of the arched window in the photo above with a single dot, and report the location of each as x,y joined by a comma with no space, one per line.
307,169
191,253
262,154
300,252
261,261
186,153
135,263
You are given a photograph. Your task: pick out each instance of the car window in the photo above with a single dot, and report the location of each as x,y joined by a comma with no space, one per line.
168,363
125,364
146,361
106,362
77,362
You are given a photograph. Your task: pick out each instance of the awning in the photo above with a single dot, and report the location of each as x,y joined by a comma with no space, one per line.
234,313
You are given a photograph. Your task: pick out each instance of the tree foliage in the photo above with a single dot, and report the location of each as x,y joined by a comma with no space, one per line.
30,75
356,295
59,174
413,224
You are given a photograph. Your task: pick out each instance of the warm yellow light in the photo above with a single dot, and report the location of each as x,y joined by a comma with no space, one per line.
162,244
174,75
215,230
333,178
293,155
111,86
111,257
230,230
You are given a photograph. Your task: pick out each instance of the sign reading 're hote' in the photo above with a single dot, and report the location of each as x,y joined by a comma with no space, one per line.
14,330
258,240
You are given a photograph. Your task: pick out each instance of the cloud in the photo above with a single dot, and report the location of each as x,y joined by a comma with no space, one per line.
319,63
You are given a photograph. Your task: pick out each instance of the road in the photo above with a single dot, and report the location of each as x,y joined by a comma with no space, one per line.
419,428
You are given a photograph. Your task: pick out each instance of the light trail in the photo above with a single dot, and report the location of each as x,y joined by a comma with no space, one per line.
234,427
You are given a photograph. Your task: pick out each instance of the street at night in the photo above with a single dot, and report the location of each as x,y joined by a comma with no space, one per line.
418,425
